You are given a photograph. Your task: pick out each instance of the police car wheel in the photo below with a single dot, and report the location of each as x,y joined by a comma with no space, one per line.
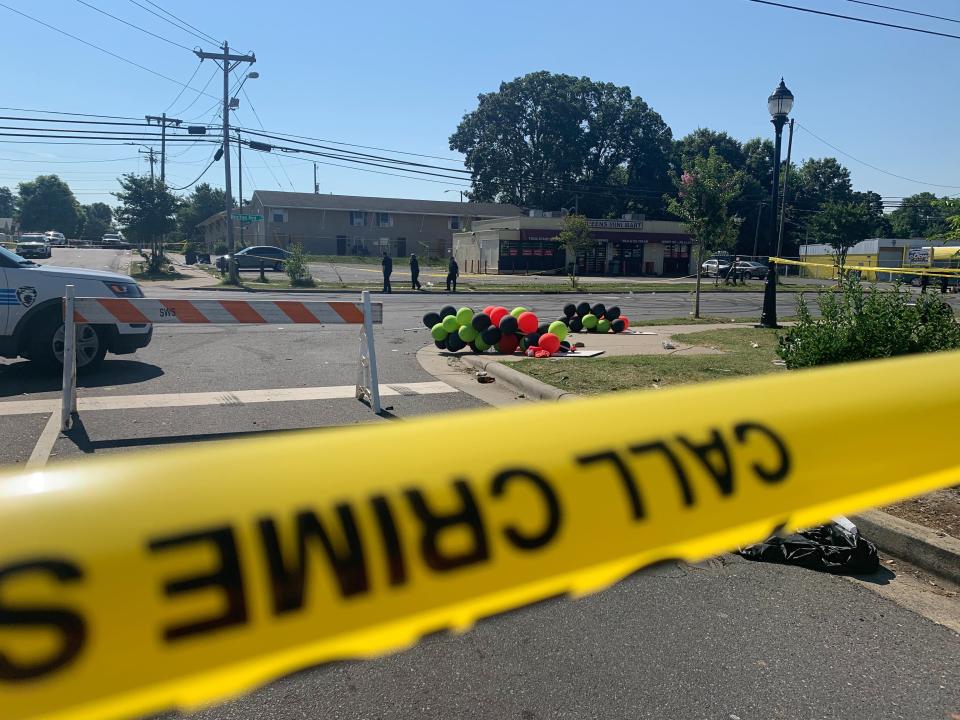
46,344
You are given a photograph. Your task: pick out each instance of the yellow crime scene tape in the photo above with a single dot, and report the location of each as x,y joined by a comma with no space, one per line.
930,272
131,585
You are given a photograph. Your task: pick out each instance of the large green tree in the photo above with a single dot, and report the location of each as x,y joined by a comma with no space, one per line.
548,141
705,191
96,220
919,215
6,202
196,207
841,225
47,203
147,211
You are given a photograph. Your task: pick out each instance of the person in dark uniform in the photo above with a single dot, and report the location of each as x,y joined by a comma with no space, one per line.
453,272
387,263
415,273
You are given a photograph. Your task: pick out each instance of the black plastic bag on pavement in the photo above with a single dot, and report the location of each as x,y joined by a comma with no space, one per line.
833,547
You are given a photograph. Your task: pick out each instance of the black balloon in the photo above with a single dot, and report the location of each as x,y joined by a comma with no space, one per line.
533,339
491,336
576,324
480,322
543,328
565,320
598,310
508,324
442,344
565,344
454,343
583,309
612,313
447,310
431,319
569,310
618,325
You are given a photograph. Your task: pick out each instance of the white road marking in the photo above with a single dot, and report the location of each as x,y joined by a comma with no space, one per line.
46,441
225,398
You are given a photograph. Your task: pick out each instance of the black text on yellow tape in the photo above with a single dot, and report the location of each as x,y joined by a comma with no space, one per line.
135,584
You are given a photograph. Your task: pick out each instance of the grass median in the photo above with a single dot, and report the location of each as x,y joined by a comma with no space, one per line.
591,376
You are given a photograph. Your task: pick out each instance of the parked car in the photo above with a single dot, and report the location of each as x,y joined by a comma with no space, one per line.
55,238
752,269
114,240
251,257
31,325
715,266
33,245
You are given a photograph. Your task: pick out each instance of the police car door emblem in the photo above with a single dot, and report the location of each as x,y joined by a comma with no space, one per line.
26,295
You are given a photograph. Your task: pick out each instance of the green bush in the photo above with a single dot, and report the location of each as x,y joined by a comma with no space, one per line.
859,323
296,267
220,249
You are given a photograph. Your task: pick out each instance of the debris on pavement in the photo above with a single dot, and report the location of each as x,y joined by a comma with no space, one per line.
835,547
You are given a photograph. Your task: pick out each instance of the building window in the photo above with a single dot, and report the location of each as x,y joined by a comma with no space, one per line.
454,223
384,220
358,218
279,216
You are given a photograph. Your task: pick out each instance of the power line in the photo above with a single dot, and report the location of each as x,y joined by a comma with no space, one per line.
95,47
380,172
135,27
72,122
855,19
180,94
167,20
57,112
874,167
183,22
901,10
201,92
204,172
260,123
68,162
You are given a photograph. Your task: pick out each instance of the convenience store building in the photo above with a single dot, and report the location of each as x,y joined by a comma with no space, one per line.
629,246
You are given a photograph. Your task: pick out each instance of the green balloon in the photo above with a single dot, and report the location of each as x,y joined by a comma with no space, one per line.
603,326
480,344
450,323
518,311
559,329
439,332
467,333
589,321
464,316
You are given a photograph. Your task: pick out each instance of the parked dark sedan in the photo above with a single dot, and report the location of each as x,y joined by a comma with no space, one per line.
250,258
752,269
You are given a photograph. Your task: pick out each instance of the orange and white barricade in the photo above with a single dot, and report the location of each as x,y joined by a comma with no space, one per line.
111,311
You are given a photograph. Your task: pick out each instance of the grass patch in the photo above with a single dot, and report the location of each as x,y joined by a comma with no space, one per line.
370,260
632,372
709,320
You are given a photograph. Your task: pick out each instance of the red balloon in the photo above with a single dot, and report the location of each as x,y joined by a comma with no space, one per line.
508,344
528,323
496,314
550,342
488,309
626,321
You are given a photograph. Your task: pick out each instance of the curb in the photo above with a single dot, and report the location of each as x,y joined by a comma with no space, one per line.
912,542
532,388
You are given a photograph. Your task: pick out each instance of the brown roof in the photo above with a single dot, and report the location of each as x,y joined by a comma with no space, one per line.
315,201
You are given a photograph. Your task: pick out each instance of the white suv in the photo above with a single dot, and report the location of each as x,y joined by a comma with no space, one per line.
31,313
55,238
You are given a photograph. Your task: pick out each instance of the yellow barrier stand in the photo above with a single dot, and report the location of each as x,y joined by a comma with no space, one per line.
134,584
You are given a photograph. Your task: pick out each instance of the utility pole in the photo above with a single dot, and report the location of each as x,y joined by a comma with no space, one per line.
163,121
316,185
228,63
240,181
151,153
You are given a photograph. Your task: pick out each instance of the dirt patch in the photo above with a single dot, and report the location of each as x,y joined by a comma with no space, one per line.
939,511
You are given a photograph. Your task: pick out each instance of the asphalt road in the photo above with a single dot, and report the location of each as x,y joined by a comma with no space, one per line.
727,639
91,258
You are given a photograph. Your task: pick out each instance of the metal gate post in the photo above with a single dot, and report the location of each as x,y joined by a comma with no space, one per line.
69,403
371,352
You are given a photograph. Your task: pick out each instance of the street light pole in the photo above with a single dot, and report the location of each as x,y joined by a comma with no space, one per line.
779,104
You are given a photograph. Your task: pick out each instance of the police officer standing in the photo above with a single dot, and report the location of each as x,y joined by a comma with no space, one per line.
415,273
453,272
387,263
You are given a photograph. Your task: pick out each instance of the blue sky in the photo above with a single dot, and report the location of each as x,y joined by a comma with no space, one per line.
401,75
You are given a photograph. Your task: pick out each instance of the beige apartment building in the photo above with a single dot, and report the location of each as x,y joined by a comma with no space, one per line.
357,225
631,245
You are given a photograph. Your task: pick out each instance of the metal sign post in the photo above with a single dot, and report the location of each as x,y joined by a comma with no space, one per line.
69,405
368,381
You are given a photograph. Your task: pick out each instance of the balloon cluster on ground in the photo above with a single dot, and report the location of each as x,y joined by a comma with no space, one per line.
584,317
494,327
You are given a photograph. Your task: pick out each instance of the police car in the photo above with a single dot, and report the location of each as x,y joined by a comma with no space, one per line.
31,313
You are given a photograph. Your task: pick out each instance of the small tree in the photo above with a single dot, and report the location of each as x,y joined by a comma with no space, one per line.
704,193
841,226
296,267
575,238
148,211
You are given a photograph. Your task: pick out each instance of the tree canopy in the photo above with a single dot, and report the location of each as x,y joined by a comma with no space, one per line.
841,225
196,207
6,202
147,209
47,203
95,220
